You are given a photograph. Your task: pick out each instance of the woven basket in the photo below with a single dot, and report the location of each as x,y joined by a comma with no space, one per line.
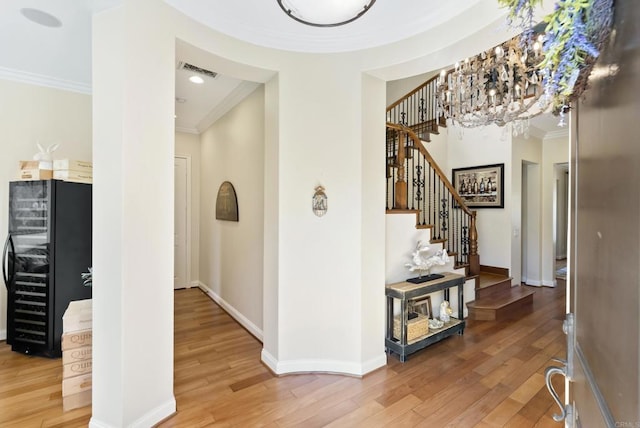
416,327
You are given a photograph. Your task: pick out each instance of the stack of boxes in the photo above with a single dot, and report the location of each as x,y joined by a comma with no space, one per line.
35,170
76,355
73,170
59,169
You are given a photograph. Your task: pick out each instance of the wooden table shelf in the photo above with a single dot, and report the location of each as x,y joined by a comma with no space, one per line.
405,291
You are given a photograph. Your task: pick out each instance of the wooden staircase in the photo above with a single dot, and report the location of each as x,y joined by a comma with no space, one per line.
496,299
415,183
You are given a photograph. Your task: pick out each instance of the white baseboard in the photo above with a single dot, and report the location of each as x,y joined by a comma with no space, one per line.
269,360
547,283
534,283
149,419
3,334
94,423
156,415
323,366
235,314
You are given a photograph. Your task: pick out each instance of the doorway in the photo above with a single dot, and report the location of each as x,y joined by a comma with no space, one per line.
181,236
531,233
560,219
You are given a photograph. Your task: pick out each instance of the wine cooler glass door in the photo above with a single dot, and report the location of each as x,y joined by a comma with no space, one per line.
28,314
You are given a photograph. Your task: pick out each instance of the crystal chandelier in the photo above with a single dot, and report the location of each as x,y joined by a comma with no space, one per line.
499,86
325,13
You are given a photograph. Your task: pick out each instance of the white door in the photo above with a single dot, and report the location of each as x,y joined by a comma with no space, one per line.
603,358
180,275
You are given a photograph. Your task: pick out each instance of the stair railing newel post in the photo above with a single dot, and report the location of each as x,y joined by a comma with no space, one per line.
401,184
474,257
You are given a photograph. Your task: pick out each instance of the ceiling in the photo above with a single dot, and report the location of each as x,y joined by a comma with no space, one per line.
61,56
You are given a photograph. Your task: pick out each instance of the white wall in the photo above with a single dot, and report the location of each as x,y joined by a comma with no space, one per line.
231,253
484,146
554,151
189,145
133,215
372,218
525,151
322,260
397,89
31,114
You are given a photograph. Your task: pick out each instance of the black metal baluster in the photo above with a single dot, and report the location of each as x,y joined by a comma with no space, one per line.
454,226
411,111
465,240
432,211
444,214
394,172
418,184
411,165
424,190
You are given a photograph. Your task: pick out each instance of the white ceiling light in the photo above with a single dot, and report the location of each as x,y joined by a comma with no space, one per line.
326,13
196,79
40,17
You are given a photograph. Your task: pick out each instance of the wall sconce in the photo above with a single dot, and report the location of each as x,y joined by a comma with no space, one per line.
319,202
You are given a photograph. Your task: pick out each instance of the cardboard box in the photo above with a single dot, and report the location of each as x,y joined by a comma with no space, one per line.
77,354
35,164
35,170
76,384
35,174
74,176
78,316
75,401
76,368
76,339
74,165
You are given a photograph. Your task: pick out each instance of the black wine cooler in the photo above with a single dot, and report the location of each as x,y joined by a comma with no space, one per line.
46,251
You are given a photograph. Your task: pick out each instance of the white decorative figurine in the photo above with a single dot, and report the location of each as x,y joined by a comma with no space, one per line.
445,311
423,260
44,155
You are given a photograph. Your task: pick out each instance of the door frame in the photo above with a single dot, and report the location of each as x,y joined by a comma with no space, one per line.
188,225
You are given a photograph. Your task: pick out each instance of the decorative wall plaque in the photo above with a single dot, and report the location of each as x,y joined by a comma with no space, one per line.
319,202
227,203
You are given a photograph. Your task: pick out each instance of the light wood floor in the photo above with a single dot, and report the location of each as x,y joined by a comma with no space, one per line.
490,377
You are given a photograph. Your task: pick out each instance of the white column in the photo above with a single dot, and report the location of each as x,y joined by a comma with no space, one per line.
328,283
133,80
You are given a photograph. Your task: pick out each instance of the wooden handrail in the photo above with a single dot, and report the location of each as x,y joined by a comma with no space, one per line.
423,85
418,144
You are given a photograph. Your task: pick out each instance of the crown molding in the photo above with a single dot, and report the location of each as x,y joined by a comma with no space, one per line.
46,81
186,130
238,94
560,133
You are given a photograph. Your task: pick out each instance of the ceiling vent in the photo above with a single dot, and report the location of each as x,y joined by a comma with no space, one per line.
195,69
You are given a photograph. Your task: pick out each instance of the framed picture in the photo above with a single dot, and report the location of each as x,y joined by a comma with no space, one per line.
480,186
422,305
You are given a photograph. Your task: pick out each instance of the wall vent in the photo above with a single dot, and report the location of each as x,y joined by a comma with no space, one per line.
193,68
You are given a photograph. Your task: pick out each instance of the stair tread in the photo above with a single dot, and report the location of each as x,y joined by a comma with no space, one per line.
502,299
402,211
425,226
489,279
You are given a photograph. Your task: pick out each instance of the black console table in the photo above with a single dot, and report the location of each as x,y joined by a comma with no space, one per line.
405,291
